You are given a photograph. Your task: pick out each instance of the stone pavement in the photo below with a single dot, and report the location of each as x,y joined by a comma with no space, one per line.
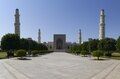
59,65
4,73
7,72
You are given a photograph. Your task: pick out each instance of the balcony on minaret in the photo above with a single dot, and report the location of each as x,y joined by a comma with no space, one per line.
102,12
17,11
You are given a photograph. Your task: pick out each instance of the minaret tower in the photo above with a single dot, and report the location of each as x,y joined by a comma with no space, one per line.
80,37
39,36
102,25
17,22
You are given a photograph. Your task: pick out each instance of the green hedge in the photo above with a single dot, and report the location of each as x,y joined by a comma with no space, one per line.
44,52
84,53
35,53
20,53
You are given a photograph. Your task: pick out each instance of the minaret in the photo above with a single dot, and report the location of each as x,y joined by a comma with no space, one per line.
102,25
17,22
80,37
39,36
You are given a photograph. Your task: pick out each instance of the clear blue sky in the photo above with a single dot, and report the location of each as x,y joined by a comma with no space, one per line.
60,16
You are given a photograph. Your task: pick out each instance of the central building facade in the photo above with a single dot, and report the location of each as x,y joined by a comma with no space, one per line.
59,42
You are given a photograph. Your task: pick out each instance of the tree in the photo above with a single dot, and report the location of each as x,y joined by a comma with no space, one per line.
33,45
108,45
24,44
42,47
118,44
76,49
85,46
10,42
97,54
84,53
101,45
93,45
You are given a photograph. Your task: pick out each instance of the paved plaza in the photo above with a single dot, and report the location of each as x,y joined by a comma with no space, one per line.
59,65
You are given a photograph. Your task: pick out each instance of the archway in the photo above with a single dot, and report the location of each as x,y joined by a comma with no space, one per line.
59,44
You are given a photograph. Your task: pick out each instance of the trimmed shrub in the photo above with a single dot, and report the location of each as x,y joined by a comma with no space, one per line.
42,52
35,53
84,53
20,53
77,53
108,54
115,54
97,54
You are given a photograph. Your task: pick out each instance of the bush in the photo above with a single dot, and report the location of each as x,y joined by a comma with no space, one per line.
20,53
97,54
108,54
42,52
35,53
115,54
84,53
75,49
77,52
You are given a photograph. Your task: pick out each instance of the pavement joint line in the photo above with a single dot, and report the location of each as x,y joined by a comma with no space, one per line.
62,66
17,70
8,70
104,73
111,70
99,71
16,74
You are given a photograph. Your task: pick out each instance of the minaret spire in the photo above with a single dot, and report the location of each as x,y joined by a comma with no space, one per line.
39,36
102,25
17,22
80,37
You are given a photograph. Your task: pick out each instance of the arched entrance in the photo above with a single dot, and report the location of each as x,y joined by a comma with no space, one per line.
59,44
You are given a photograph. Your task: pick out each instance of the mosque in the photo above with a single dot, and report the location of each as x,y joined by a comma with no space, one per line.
59,43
